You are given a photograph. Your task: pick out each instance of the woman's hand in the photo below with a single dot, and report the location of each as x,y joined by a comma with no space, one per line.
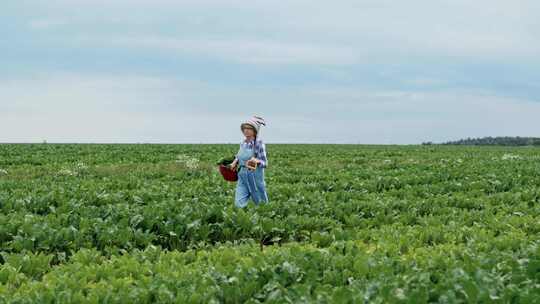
234,164
252,163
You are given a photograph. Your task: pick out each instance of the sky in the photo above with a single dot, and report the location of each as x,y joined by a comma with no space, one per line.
362,72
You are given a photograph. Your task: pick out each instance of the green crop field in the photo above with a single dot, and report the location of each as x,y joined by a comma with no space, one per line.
345,224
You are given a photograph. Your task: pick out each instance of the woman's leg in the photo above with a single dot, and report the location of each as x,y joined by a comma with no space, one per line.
260,185
242,192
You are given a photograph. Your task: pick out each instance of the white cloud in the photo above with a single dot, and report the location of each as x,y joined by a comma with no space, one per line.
67,107
42,24
334,38
75,108
255,51
44,94
310,32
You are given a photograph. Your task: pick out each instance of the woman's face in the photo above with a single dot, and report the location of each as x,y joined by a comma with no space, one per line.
249,132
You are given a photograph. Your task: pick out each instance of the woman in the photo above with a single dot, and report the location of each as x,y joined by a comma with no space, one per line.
251,158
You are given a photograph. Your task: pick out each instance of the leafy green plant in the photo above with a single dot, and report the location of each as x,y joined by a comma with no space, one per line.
345,223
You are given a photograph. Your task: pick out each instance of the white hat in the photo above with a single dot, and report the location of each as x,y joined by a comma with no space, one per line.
255,122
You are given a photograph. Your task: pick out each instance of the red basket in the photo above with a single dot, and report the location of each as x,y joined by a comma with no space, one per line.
228,174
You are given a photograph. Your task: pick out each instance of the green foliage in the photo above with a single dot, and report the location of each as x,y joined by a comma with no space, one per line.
495,141
345,224
226,161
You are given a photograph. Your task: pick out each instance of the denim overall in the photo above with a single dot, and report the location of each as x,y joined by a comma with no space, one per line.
250,182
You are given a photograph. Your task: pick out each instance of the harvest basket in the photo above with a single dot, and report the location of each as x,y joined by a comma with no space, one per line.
228,174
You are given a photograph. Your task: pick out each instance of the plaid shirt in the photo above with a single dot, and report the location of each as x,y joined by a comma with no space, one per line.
260,150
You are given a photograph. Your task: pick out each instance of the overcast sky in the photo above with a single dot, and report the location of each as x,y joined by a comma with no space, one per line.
377,71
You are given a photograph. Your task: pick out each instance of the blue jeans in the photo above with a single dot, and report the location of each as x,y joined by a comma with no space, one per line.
250,184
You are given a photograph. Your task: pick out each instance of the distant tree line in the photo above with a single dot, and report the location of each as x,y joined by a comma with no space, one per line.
493,141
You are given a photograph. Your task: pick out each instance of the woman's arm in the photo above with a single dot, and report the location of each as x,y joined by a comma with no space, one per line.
235,161
236,156
260,154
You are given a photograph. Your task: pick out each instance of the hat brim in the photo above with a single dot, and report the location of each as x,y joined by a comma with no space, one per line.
246,125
